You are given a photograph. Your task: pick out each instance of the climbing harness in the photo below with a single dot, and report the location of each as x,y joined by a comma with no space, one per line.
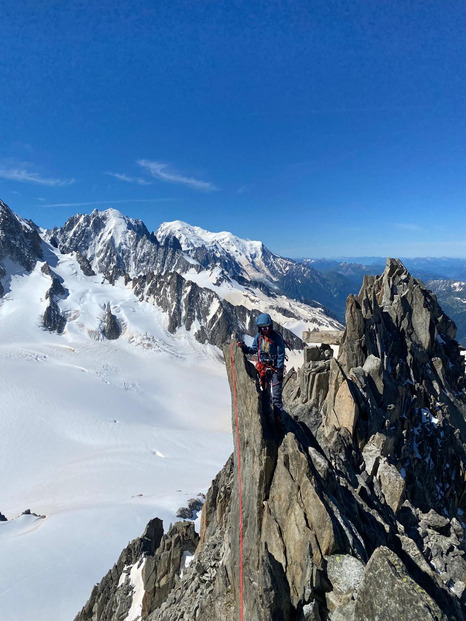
239,482
264,370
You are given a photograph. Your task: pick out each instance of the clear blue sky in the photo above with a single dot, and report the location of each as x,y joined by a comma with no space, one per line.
323,128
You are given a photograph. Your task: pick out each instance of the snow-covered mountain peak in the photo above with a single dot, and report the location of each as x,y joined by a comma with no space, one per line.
239,256
112,242
118,227
194,237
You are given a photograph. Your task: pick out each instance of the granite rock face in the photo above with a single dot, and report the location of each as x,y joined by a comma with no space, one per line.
353,507
19,241
388,593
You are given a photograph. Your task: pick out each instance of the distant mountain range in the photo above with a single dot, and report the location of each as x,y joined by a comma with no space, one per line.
212,285
216,283
429,268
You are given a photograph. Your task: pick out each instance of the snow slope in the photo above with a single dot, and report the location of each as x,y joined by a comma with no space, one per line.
99,436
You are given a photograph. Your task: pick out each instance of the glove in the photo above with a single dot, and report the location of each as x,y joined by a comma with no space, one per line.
242,345
280,374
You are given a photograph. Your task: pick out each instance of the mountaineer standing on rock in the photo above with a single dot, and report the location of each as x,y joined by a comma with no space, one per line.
269,347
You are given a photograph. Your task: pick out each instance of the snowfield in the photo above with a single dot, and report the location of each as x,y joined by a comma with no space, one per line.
99,436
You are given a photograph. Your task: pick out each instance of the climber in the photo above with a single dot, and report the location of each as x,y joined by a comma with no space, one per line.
270,349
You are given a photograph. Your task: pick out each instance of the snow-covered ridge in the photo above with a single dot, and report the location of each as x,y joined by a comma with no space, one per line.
243,259
194,237
248,255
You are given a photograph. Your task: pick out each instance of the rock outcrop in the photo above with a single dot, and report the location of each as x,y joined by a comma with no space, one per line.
53,319
84,265
20,242
19,239
353,508
147,570
111,327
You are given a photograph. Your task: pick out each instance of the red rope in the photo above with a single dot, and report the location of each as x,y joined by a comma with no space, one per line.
239,479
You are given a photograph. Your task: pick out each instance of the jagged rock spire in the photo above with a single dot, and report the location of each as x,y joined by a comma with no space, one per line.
398,383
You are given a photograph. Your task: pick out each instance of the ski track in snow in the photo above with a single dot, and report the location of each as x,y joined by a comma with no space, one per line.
99,436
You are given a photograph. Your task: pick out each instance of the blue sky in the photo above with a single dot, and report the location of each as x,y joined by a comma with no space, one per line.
322,128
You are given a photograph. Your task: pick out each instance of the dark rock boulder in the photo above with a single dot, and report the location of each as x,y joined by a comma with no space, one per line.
84,264
190,512
53,319
46,270
111,328
57,290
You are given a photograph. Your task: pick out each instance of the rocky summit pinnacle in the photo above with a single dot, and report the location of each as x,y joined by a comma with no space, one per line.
351,509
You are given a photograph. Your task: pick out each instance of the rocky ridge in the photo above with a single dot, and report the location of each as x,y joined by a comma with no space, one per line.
354,508
211,318
20,242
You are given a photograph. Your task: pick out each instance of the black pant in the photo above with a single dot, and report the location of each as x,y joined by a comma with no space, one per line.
277,386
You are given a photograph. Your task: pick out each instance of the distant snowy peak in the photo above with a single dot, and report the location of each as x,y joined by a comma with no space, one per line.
100,227
115,244
241,257
194,237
